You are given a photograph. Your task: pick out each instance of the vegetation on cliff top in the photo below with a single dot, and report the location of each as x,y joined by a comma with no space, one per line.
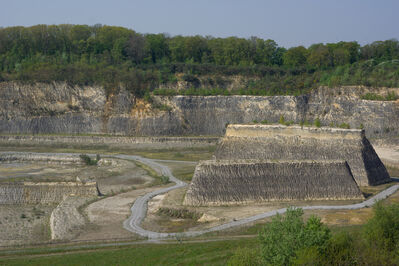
110,56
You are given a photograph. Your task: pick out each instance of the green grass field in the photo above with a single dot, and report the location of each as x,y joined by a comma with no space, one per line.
186,154
203,253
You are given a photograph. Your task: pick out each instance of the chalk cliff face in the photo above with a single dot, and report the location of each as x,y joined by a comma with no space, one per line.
60,108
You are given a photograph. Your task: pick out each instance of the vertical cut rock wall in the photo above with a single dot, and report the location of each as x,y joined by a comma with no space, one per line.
60,108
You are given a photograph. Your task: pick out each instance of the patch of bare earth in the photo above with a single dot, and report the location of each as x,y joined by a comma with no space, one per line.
215,215
24,224
210,216
389,155
106,216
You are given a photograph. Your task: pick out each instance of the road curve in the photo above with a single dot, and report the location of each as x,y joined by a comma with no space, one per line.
139,208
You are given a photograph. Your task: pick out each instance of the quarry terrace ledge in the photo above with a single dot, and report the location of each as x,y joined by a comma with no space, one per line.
255,131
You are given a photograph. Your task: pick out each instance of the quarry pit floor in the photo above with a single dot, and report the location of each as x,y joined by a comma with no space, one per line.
105,216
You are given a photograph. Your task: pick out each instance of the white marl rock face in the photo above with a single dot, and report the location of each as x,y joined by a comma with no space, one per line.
60,108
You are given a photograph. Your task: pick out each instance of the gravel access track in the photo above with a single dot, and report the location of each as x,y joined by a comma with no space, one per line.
139,208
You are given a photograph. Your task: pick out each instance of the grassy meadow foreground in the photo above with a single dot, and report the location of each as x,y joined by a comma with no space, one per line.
371,244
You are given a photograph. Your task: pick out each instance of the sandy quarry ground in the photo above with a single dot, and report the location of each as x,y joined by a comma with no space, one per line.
106,216
215,215
24,224
112,175
123,181
389,155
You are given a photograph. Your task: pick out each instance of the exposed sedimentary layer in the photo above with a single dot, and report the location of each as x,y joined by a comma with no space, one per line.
123,142
43,192
48,158
42,108
276,142
242,181
65,220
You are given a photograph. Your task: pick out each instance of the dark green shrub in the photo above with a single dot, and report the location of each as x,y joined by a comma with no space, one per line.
317,122
285,235
165,92
89,161
289,123
147,97
179,155
382,231
162,107
344,125
192,79
165,179
340,250
179,213
391,96
282,120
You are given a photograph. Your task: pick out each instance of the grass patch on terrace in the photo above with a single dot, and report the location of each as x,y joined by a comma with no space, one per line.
391,96
393,171
159,179
369,191
189,154
203,253
186,154
182,171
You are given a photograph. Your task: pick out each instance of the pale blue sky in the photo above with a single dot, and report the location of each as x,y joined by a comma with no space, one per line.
288,22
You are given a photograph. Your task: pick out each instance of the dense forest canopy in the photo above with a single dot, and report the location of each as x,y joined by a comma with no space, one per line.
110,56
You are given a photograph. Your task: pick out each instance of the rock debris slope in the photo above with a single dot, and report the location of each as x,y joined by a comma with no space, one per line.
245,181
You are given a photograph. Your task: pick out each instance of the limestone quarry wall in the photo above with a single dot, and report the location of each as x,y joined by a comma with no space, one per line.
109,141
277,142
43,192
60,108
223,182
40,157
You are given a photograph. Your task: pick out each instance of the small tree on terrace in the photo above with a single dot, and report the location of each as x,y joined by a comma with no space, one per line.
285,235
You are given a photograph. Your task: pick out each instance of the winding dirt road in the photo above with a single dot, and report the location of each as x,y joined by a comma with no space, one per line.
139,208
